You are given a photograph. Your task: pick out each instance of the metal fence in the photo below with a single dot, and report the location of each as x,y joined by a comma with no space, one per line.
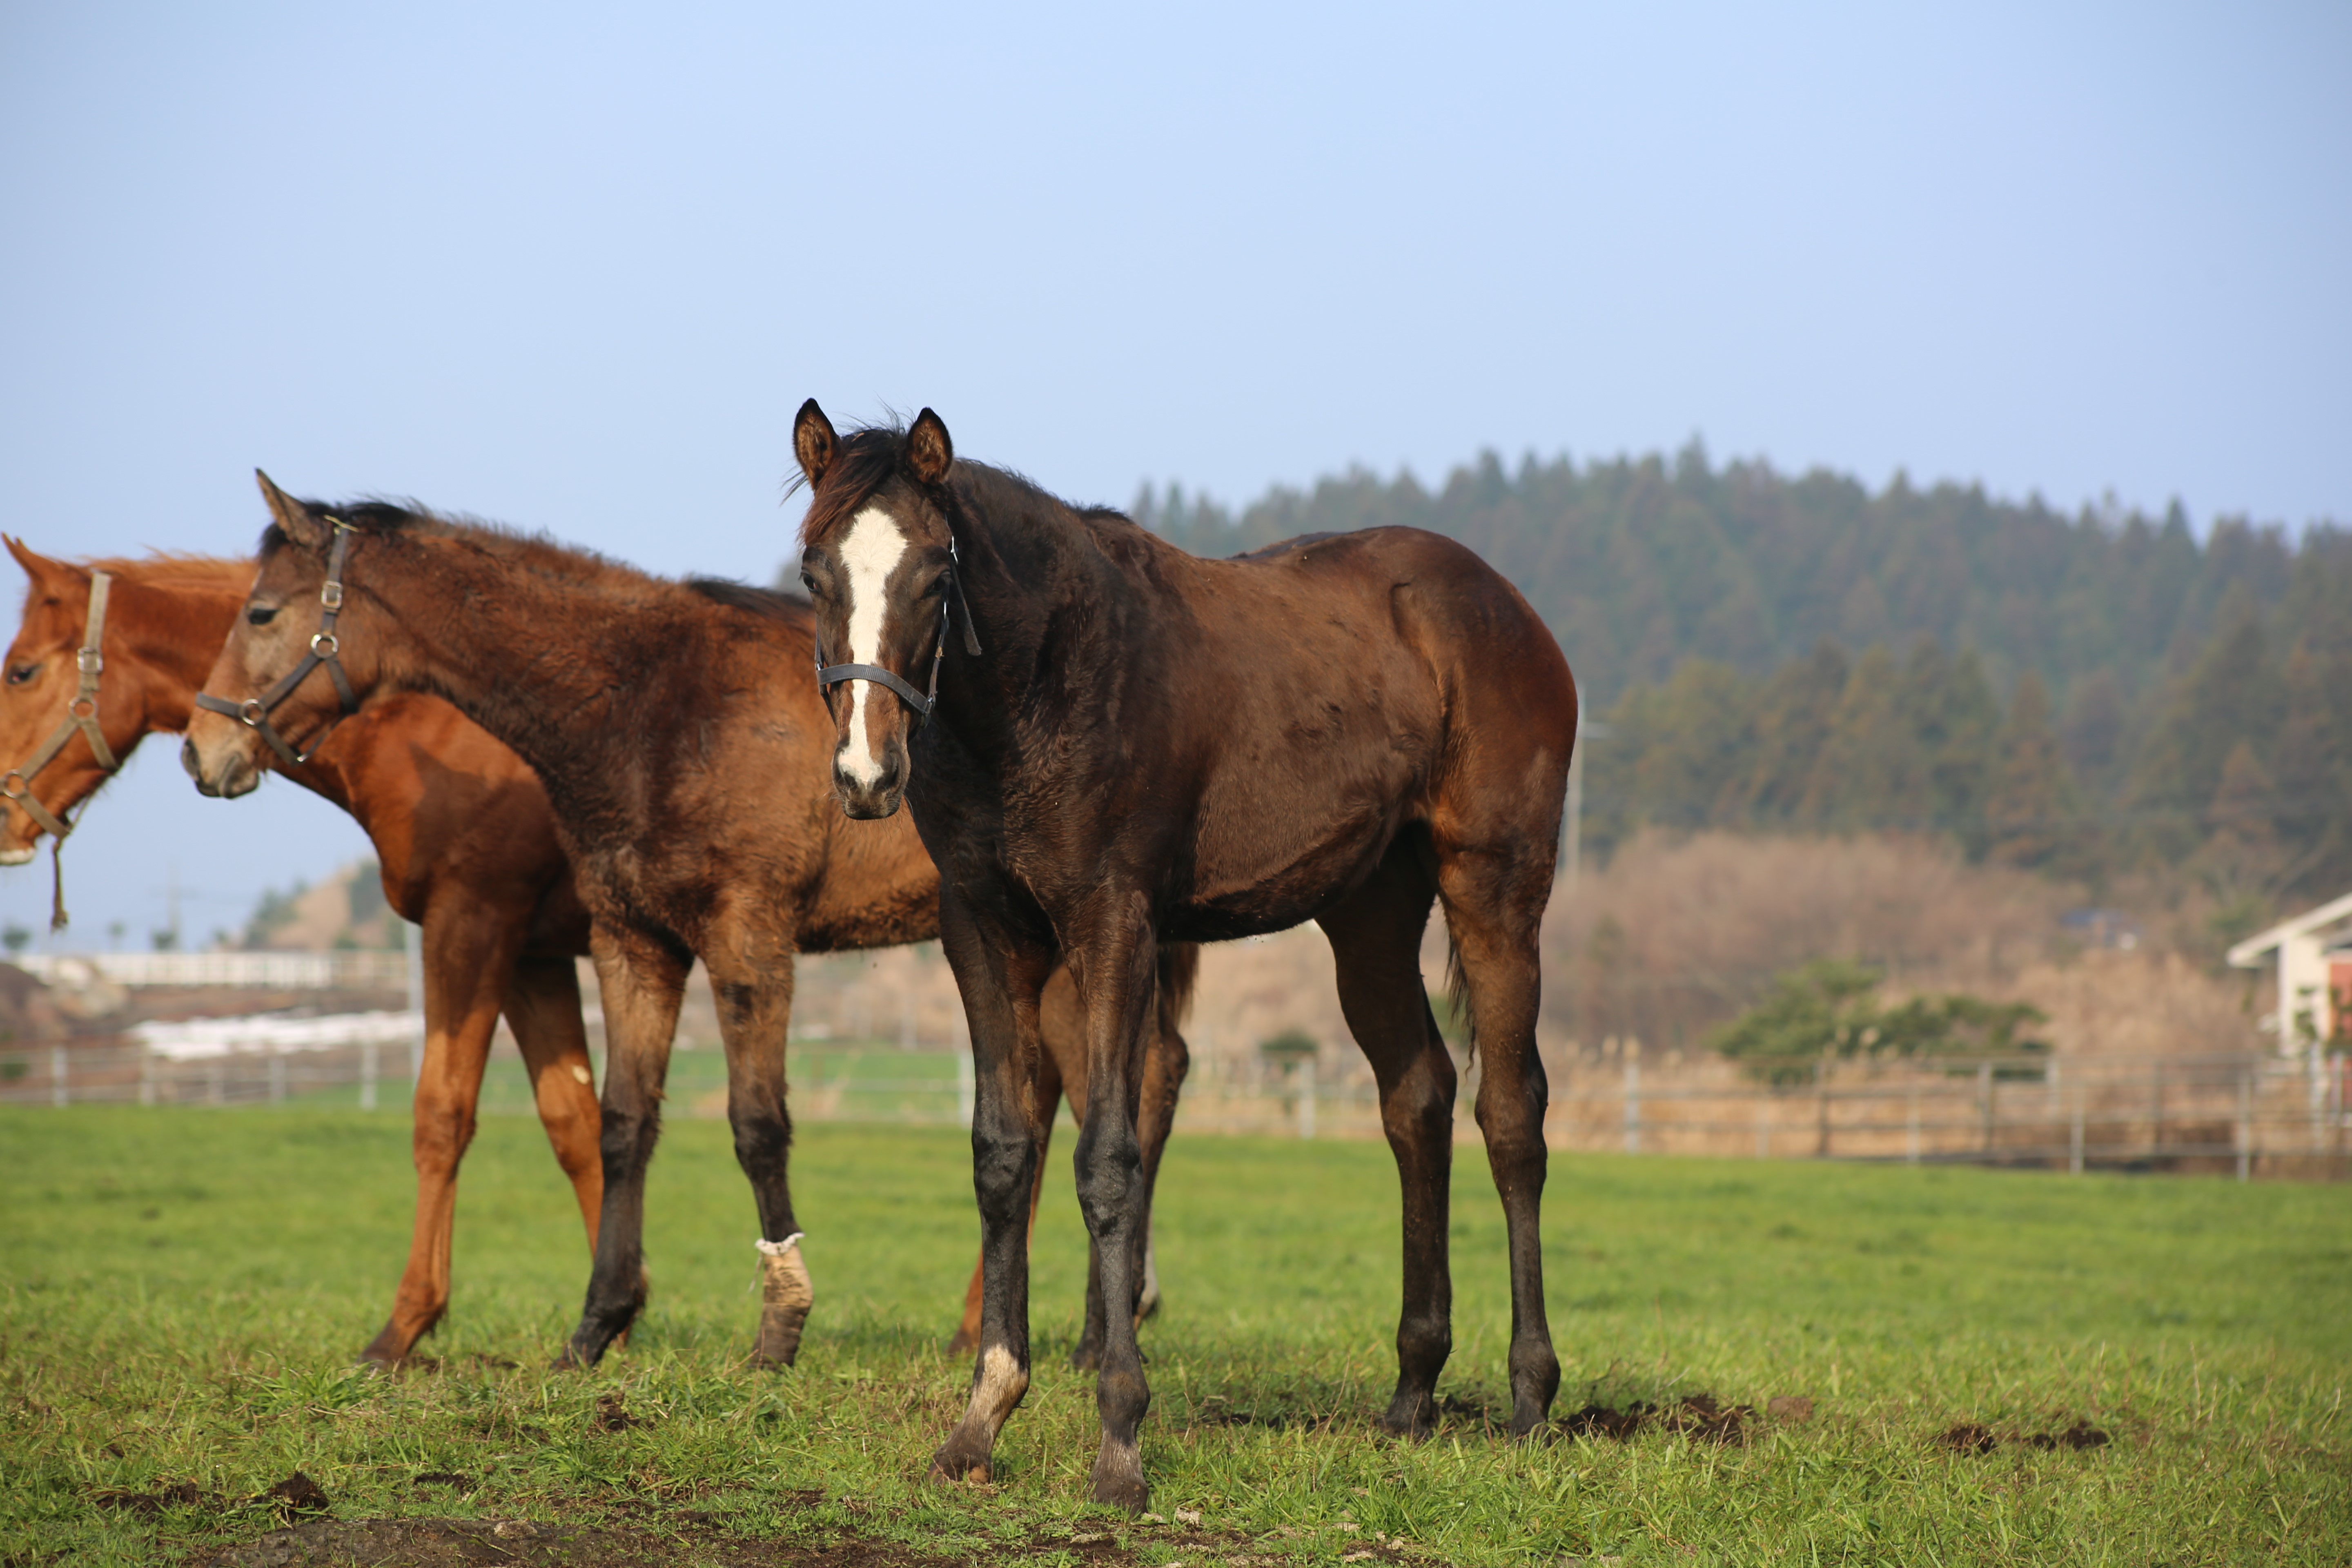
2241,1114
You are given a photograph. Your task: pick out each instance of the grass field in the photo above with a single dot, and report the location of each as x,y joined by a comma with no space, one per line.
181,1292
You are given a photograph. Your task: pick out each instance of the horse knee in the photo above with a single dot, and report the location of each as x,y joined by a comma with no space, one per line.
1004,1169
763,1139
1109,1168
625,1138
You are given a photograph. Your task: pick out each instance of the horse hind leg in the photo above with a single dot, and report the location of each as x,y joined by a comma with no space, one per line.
1493,908
1046,1095
1376,943
755,1003
467,959
542,1007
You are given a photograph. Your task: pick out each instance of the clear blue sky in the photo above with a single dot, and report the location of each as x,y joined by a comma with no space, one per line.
573,268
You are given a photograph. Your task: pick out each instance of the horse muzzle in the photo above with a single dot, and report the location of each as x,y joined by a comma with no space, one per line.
223,777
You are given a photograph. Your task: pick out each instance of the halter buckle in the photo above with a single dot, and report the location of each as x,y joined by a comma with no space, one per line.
252,714
88,660
330,594
331,649
83,707
14,785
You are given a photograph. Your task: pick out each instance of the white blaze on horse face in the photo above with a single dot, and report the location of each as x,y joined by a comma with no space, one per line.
870,551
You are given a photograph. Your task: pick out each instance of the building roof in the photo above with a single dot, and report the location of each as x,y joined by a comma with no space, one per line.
2248,954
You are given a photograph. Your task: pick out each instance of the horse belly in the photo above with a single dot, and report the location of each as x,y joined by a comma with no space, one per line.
1275,851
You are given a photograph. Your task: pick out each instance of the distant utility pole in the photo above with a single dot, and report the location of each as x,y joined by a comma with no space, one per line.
1572,827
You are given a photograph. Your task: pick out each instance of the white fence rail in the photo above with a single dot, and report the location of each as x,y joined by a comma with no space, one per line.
2236,1114
360,971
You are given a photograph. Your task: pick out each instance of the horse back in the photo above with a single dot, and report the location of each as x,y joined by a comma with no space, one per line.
1339,687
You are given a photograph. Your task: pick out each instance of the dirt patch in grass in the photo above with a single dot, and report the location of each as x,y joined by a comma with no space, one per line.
1975,1438
147,1505
296,1497
1968,1438
450,1542
1700,1417
613,1414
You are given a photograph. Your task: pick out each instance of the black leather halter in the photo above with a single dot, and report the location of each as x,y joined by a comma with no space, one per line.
922,702
81,717
254,711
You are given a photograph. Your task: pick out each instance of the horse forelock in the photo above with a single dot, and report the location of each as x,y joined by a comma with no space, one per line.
867,459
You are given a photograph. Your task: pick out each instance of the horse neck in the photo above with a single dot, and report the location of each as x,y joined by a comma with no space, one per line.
535,659
1025,562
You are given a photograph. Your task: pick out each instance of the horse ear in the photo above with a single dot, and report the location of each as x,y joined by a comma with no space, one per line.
294,520
929,453
814,442
36,566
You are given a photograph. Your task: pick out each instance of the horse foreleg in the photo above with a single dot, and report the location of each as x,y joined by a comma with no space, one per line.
468,954
1000,987
642,981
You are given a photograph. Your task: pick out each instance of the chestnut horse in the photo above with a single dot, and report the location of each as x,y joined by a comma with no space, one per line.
679,745
461,831
1127,744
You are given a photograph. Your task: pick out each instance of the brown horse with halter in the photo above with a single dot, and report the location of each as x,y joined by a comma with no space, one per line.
1122,745
686,768
461,830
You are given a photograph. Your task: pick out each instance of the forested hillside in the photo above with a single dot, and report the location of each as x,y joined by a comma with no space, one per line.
2089,695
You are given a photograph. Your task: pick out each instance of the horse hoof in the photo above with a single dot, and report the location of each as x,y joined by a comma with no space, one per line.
1086,1358
1118,1478
786,1294
951,1468
965,1343
1417,1423
579,1355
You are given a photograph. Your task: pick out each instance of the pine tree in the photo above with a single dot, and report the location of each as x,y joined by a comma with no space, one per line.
2026,820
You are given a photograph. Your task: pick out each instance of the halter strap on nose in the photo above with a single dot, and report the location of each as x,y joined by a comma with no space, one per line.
81,714
325,649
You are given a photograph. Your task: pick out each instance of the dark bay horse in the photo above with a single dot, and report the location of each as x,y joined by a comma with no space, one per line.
1127,744
685,760
461,830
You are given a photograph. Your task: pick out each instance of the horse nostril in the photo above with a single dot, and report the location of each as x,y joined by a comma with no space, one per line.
188,763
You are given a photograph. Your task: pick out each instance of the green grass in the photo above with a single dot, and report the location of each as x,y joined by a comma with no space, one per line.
181,1290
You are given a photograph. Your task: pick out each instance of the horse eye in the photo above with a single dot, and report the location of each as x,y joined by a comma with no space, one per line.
810,584
260,615
20,673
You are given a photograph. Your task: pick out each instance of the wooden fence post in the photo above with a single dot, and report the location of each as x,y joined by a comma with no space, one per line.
1985,1112
1633,1101
1822,1107
2246,1123
61,1079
